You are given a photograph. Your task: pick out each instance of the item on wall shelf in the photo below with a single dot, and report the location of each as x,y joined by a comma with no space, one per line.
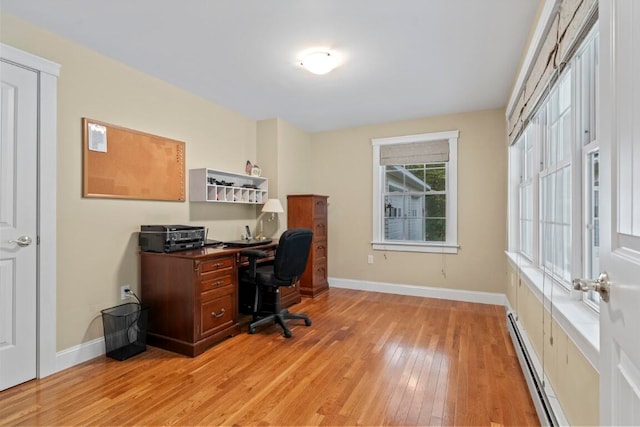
256,171
248,168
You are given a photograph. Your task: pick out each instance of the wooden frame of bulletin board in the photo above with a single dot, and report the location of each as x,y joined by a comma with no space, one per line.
126,164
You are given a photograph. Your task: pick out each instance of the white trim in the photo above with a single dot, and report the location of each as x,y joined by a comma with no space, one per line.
548,389
78,354
548,11
420,291
29,60
423,137
47,152
429,247
579,322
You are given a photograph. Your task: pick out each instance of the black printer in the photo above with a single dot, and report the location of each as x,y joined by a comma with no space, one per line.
170,238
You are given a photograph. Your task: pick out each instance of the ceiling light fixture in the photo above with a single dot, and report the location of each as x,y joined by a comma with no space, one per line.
319,62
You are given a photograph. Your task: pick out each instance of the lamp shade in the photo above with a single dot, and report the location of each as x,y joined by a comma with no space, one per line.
273,206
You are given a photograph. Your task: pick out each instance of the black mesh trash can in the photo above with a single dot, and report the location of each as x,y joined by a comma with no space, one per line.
125,330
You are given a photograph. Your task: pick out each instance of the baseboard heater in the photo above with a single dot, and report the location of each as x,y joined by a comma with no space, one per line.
536,388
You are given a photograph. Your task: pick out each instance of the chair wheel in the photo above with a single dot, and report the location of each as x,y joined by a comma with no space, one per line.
287,334
252,330
307,322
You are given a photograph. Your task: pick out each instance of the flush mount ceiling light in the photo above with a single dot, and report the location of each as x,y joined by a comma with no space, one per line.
319,61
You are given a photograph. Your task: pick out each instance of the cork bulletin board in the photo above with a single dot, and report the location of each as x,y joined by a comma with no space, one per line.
126,164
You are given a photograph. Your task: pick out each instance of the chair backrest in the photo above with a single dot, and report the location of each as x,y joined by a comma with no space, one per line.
292,254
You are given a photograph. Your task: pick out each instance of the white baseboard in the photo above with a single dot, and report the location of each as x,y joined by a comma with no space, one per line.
421,291
79,354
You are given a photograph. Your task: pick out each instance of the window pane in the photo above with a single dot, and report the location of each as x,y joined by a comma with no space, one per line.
435,230
436,206
410,205
436,179
593,226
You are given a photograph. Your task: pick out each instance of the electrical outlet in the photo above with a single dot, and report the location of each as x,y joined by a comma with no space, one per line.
369,259
123,291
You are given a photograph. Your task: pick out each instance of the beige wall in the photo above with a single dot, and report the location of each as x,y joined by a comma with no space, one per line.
285,152
343,171
97,240
574,380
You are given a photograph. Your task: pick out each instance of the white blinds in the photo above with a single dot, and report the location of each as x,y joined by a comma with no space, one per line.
415,152
568,27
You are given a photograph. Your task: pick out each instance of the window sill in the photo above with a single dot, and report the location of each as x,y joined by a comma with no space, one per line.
438,248
578,321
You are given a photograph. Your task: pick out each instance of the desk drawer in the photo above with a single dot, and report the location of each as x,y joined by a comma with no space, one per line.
216,314
211,283
213,265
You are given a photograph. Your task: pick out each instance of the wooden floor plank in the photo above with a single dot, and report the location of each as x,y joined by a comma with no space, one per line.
368,359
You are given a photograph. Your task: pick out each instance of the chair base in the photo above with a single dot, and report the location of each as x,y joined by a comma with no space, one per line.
279,318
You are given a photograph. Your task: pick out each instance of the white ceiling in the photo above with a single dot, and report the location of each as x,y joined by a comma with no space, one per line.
403,59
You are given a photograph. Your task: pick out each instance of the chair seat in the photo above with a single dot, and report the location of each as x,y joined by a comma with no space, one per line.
266,277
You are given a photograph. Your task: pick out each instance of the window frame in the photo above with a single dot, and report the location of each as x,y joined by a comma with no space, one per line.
450,245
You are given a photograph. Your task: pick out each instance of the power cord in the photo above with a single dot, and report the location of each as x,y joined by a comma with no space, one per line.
130,292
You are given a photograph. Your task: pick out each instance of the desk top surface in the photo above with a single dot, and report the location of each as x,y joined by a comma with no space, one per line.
209,251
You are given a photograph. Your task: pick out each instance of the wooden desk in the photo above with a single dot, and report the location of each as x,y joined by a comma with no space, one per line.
193,296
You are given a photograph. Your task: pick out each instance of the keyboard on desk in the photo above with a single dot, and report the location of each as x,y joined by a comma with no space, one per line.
247,243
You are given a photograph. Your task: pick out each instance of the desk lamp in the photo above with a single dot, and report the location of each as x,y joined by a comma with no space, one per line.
272,206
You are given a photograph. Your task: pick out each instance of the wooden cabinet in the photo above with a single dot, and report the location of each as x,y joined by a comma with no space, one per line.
310,211
192,298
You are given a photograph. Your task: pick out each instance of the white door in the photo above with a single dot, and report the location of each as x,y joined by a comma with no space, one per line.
620,203
18,234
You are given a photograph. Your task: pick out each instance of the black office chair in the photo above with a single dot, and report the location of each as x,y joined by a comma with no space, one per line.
289,264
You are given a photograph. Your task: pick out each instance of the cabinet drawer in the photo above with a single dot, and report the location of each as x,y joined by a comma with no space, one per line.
319,273
319,249
210,284
213,265
216,314
319,229
320,208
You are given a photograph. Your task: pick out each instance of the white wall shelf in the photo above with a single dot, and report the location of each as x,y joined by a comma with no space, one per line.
212,185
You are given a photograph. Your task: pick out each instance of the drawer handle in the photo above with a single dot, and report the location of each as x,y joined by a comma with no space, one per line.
218,283
214,314
320,247
217,265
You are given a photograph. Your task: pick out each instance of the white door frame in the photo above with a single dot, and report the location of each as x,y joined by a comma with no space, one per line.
48,73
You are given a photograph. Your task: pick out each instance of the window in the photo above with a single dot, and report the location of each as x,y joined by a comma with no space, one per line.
555,181
415,193
587,66
556,160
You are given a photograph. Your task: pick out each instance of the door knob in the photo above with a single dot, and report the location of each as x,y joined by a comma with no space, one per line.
602,286
22,241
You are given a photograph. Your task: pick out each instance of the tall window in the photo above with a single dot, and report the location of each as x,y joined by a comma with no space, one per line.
525,193
557,160
555,181
415,190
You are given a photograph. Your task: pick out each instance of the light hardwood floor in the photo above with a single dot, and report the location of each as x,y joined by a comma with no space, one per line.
368,359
